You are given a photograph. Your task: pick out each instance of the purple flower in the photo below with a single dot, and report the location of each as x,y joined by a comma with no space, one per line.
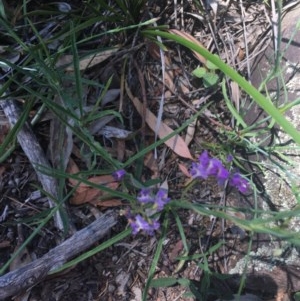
196,171
238,182
215,167
204,158
222,175
161,199
229,158
145,196
204,166
209,167
139,223
119,174
153,226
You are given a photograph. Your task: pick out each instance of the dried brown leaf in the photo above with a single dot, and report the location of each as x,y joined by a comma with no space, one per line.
108,203
235,93
87,62
184,170
190,132
85,193
176,143
89,194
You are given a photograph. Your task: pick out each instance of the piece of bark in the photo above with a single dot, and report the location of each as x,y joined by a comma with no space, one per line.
31,274
34,153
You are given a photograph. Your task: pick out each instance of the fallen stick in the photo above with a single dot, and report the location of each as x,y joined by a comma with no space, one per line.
34,153
31,274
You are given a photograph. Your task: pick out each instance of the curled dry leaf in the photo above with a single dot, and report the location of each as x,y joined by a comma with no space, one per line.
87,194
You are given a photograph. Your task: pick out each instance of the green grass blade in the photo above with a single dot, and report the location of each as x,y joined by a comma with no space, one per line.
231,108
156,257
77,72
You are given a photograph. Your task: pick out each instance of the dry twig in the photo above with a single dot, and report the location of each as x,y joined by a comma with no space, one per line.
34,153
34,272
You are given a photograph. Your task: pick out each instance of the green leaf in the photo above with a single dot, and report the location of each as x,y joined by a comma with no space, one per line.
199,72
163,282
210,79
297,296
211,66
184,282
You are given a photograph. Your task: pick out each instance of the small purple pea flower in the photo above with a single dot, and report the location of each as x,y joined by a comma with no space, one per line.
161,199
238,182
146,222
222,175
138,223
229,158
145,196
208,166
119,174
